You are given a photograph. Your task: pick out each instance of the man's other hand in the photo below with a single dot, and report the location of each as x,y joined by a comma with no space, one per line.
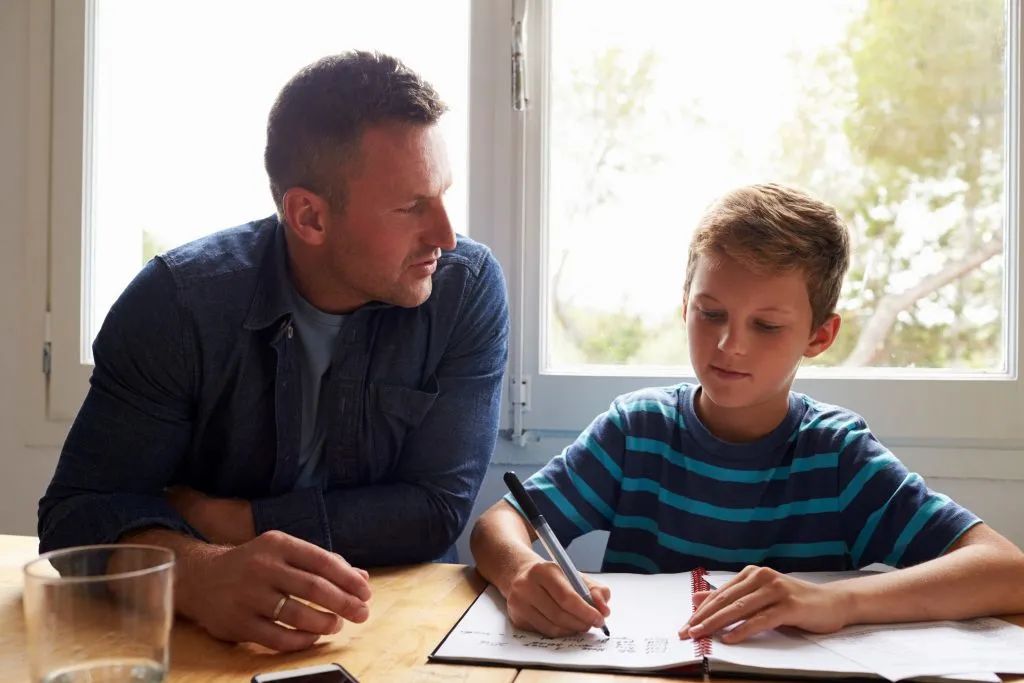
254,592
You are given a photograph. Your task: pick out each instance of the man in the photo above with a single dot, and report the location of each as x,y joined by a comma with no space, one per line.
323,380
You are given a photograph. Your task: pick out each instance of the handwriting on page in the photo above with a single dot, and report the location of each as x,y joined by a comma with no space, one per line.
584,642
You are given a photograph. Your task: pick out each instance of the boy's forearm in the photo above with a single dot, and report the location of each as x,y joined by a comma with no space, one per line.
501,545
974,579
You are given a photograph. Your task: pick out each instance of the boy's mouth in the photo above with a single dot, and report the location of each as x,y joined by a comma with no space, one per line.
722,373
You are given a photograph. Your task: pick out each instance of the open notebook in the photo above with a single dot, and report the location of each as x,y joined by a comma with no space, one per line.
647,612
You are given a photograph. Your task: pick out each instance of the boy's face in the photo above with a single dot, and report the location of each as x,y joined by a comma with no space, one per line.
748,332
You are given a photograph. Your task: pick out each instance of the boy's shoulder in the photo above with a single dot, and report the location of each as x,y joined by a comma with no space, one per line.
649,411
826,427
827,415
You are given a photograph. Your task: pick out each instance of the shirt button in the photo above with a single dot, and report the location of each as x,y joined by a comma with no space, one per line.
291,331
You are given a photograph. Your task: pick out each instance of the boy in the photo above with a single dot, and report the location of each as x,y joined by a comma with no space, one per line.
738,471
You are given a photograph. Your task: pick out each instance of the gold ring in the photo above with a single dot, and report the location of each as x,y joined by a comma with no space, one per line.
280,606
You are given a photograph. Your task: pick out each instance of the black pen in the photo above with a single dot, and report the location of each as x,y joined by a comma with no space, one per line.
549,540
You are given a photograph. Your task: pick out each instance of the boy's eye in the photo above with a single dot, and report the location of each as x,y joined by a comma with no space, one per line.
768,327
711,315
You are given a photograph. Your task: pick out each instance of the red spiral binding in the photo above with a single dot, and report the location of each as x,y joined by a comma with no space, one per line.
702,645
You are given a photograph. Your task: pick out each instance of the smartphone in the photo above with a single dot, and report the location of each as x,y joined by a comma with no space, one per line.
321,673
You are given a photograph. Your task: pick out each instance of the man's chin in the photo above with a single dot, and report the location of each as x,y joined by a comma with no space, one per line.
411,297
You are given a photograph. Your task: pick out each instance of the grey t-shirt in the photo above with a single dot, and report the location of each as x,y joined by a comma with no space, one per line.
316,332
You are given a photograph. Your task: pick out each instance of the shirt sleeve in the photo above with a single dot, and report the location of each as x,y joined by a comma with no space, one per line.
889,514
578,490
133,428
419,514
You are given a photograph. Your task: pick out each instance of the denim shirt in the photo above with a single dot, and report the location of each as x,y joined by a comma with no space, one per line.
196,383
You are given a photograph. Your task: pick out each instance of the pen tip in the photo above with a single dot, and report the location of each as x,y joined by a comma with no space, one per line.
605,629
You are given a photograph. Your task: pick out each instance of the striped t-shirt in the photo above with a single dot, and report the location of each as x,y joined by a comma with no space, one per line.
817,493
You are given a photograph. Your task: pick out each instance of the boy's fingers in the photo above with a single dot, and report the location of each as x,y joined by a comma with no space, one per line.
740,609
716,600
762,621
571,612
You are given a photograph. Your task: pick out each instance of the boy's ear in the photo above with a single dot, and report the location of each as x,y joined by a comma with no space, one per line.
823,336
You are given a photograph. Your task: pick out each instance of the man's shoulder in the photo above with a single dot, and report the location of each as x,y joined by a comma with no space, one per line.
468,256
235,251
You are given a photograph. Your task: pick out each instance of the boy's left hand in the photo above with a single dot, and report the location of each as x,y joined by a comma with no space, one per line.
764,599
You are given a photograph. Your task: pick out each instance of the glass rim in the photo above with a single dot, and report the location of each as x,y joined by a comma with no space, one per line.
167,563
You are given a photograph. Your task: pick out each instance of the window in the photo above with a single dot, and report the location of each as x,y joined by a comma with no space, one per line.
893,112
174,103
904,115
635,117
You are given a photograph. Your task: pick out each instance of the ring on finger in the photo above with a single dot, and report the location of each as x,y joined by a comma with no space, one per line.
279,607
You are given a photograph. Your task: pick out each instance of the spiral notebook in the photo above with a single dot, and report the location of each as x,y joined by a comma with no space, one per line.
647,612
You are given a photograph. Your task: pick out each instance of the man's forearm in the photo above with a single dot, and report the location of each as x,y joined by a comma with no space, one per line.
189,556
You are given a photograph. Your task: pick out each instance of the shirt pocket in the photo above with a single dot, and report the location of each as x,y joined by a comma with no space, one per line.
405,405
397,410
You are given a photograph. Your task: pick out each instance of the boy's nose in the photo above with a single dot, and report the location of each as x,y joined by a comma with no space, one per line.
732,341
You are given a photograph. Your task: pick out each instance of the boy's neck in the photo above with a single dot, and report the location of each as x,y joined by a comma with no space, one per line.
741,425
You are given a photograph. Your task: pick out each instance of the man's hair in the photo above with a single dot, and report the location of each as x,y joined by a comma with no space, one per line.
774,228
319,116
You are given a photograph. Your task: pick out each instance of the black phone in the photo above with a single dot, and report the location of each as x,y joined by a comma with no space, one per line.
321,673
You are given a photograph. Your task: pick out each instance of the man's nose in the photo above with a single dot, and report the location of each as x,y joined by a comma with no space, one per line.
441,233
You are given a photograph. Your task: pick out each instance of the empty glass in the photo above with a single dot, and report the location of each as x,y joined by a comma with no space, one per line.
99,614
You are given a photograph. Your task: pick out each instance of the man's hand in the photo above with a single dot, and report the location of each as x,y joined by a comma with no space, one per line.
225,521
233,593
541,599
764,599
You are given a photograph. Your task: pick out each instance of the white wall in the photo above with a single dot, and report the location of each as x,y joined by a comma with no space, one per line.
24,472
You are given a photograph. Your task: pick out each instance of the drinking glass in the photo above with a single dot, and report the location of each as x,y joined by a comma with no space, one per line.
99,614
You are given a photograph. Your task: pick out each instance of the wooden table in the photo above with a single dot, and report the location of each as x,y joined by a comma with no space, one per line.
412,609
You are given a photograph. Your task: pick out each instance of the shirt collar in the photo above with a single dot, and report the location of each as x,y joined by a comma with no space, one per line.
272,299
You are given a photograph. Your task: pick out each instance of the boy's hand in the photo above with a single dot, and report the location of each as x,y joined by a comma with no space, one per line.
764,599
540,599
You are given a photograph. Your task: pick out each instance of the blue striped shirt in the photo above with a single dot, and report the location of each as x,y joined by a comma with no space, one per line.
817,493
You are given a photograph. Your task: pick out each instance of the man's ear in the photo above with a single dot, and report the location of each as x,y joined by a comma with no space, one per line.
823,336
306,214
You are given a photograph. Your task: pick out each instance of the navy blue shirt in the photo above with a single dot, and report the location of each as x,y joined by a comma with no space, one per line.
818,493
197,383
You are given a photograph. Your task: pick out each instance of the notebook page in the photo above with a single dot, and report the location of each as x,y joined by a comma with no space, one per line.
647,612
954,666
899,651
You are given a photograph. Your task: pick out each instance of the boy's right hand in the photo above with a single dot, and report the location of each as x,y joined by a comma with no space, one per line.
541,599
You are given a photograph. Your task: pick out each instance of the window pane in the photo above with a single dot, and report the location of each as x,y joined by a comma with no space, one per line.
892,111
181,92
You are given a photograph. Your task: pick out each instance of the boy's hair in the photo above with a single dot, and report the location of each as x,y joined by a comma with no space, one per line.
320,115
773,228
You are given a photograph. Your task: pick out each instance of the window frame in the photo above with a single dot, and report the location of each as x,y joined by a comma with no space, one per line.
507,172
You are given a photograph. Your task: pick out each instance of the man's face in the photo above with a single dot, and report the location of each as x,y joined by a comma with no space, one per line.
747,332
384,243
